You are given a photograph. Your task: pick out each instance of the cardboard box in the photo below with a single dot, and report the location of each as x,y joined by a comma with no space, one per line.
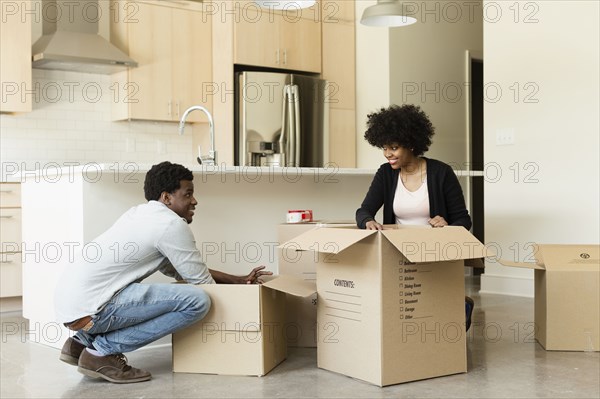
391,303
567,299
244,331
301,312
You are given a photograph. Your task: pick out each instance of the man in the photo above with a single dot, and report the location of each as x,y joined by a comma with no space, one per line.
103,299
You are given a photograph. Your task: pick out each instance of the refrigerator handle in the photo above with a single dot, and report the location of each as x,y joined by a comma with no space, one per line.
283,140
296,127
291,148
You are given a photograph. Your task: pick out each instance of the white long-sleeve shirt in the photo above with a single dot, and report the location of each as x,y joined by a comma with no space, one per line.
145,239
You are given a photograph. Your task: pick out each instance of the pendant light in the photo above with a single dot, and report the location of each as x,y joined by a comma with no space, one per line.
388,13
284,4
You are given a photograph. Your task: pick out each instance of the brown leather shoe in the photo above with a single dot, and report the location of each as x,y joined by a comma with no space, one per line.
71,351
113,368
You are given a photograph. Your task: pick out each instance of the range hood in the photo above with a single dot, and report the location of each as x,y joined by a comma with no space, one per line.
71,42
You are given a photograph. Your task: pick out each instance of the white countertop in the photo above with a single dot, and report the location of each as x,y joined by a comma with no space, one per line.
93,170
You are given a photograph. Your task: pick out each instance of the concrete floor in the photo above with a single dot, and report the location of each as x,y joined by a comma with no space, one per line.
503,362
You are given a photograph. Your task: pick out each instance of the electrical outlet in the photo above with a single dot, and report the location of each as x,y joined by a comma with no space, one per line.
505,136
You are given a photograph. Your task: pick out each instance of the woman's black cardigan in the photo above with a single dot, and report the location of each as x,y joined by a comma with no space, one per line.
445,195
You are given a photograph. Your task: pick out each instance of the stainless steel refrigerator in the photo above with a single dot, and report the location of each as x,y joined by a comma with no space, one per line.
280,120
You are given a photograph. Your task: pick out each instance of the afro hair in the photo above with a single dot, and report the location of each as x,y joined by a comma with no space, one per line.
165,176
407,126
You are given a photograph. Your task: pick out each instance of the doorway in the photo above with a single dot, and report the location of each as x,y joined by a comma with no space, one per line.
476,149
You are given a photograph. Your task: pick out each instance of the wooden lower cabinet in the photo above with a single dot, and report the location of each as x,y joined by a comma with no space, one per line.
11,280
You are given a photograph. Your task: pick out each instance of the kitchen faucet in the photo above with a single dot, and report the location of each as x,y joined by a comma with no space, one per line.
211,158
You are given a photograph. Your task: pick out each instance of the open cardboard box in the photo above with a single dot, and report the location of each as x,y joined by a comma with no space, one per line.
301,311
567,296
391,303
244,332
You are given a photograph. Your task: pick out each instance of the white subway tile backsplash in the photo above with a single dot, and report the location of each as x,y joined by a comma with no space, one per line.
49,124
73,155
71,122
7,121
26,123
56,154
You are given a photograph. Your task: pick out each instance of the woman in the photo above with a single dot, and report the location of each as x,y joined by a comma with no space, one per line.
429,192
412,189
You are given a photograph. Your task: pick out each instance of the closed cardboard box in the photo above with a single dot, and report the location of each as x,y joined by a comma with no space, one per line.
567,299
391,303
244,331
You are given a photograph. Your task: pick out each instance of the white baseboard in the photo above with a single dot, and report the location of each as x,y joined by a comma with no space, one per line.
507,285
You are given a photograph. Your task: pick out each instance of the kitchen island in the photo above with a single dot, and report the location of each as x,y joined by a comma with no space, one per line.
235,222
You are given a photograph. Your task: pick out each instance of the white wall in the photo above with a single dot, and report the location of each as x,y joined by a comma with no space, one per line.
424,64
428,67
553,47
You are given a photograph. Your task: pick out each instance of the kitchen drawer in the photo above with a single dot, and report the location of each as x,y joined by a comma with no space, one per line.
10,229
10,195
11,275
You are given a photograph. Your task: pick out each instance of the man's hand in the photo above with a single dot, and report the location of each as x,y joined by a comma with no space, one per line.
252,278
255,274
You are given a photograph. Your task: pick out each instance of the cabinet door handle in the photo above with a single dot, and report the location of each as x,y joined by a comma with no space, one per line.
277,56
6,216
177,109
6,191
169,108
284,56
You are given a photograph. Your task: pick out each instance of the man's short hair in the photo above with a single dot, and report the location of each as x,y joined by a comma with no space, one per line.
165,176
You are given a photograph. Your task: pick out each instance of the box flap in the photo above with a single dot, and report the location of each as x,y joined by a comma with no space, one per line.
568,257
292,285
525,265
427,244
328,239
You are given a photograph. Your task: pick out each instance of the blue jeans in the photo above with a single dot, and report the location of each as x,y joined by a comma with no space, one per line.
142,313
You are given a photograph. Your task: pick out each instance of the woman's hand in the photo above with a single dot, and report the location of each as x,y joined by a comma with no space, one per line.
255,274
373,225
438,221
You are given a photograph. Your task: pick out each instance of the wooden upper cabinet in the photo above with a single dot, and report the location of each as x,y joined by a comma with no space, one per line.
300,43
333,11
173,49
192,63
284,40
339,60
339,68
256,41
150,83
15,58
